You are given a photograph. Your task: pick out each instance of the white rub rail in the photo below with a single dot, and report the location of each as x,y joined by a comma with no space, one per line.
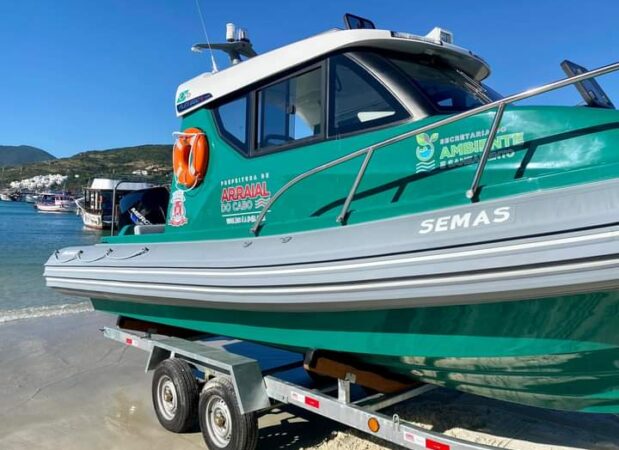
473,189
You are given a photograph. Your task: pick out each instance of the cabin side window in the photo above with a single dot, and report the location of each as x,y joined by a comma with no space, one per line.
359,101
232,120
290,111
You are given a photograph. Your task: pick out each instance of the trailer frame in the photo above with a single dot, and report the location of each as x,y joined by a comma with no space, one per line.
260,391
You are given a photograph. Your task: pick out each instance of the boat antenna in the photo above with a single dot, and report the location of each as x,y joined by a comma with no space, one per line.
208,42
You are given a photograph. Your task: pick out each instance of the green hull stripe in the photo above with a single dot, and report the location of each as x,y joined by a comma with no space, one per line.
556,352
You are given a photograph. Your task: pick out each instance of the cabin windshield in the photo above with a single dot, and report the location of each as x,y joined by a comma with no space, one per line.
448,89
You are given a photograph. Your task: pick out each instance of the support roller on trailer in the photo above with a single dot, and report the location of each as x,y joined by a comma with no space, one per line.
224,392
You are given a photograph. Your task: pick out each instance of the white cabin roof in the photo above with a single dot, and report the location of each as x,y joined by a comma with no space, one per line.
108,184
208,87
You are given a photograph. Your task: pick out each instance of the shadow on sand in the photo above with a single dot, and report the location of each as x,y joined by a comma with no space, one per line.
484,421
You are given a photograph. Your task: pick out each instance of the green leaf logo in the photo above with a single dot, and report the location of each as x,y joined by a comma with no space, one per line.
425,149
423,139
182,96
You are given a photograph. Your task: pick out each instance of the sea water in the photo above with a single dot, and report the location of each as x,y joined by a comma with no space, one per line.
27,239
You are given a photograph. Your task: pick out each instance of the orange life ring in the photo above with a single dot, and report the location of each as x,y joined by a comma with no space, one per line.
190,157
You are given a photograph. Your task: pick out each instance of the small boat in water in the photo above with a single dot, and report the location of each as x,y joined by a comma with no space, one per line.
9,196
50,202
363,192
96,205
29,197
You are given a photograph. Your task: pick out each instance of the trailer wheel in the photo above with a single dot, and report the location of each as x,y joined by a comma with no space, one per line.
175,396
221,421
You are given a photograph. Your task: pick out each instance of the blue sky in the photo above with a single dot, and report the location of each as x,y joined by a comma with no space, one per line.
82,75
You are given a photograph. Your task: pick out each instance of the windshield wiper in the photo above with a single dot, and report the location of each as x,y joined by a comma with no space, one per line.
476,86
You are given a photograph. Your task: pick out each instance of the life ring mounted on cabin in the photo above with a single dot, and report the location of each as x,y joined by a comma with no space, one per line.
190,157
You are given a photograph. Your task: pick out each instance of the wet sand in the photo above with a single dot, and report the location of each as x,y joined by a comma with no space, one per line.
63,386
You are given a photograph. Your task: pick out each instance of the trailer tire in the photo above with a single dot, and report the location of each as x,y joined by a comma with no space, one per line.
221,421
175,396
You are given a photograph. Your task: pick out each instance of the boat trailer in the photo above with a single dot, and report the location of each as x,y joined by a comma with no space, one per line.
235,389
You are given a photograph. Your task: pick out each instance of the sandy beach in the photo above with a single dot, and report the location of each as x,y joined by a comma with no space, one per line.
66,387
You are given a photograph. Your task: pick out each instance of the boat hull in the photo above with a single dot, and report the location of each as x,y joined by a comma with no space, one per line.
65,208
551,243
560,352
516,299
95,220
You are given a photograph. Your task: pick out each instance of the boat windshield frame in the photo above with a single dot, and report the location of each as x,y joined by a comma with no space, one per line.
439,77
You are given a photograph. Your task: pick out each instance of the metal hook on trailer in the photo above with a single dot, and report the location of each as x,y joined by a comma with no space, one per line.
396,422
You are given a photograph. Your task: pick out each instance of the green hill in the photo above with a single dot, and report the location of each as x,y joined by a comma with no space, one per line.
15,155
117,163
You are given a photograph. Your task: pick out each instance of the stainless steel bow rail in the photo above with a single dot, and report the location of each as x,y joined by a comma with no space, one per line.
252,390
473,189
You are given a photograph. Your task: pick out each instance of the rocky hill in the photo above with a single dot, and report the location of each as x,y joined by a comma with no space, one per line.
15,155
144,162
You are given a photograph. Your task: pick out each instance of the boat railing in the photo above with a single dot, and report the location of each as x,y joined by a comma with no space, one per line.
472,191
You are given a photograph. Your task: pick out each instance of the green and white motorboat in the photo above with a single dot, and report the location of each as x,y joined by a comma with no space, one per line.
363,192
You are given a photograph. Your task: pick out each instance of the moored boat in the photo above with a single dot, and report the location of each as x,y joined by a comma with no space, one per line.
363,192
51,202
29,197
9,196
97,202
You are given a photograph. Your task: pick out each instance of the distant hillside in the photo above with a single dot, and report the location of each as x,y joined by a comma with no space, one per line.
15,155
118,163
